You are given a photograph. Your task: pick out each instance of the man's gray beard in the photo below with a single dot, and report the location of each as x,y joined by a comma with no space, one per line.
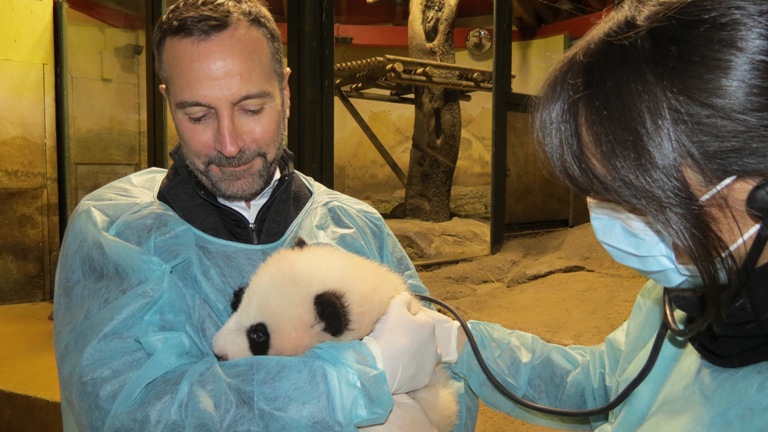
224,185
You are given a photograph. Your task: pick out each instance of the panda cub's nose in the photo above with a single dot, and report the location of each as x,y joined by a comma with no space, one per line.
222,357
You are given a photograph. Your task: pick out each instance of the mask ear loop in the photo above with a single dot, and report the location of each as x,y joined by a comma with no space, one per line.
718,188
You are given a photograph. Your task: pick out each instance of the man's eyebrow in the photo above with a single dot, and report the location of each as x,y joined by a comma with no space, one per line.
263,95
180,105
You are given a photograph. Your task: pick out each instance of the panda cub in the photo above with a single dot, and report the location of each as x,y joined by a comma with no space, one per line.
308,294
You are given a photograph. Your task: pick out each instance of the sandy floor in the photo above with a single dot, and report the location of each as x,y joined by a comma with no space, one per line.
560,285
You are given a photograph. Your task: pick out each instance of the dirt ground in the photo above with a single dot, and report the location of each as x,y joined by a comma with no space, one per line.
560,285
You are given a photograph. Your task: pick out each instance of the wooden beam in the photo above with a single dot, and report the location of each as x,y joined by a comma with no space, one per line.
423,62
524,11
574,27
397,36
545,11
596,5
392,36
111,16
399,15
343,12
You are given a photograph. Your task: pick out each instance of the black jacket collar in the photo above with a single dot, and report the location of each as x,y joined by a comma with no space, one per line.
199,207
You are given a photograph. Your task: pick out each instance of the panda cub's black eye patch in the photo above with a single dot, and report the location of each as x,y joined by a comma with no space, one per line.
258,339
331,309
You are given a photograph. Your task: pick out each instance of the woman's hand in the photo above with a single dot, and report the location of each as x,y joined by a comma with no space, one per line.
408,346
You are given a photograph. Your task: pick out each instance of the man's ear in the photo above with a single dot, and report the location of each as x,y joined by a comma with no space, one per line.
287,92
286,75
163,90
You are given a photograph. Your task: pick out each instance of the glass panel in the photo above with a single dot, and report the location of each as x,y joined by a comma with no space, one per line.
377,77
534,198
104,85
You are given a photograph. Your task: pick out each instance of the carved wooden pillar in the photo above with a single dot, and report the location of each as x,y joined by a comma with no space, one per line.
437,123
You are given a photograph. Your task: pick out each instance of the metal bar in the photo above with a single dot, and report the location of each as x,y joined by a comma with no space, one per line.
502,79
371,136
310,57
62,126
157,145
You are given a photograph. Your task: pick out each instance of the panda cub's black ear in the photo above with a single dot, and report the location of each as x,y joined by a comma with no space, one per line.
300,243
237,298
331,309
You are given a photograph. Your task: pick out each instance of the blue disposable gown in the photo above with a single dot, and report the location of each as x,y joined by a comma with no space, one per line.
682,393
140,294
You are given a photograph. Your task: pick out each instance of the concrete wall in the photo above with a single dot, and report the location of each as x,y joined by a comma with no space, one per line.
105,84
29,230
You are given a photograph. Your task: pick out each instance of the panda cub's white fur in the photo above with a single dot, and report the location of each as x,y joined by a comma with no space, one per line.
308,294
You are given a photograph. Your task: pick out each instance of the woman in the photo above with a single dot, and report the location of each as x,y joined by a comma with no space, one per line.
660,117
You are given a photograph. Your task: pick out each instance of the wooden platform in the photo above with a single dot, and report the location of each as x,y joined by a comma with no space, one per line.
29,386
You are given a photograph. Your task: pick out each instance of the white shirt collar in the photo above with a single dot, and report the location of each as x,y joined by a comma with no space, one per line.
256,204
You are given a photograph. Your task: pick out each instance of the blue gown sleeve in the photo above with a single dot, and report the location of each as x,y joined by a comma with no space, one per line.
138,299
571,377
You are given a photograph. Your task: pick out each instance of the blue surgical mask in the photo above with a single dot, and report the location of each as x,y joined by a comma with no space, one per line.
635,241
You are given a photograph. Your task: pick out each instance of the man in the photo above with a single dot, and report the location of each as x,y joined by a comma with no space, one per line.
230,107
149,263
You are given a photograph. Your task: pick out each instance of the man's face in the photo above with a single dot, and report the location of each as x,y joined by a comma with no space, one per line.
229,109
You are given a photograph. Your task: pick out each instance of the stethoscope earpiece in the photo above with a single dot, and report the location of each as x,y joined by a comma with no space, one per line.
757,200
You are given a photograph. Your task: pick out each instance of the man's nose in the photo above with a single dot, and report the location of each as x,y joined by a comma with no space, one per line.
228,140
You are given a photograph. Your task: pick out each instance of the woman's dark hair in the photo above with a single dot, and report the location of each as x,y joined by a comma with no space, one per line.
659,93
203,19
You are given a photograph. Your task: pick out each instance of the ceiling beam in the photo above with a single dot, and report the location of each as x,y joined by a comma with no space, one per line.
596,5
525,12
341,17
545,10
399,14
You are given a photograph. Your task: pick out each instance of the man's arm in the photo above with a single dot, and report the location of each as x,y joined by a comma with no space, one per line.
138,300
